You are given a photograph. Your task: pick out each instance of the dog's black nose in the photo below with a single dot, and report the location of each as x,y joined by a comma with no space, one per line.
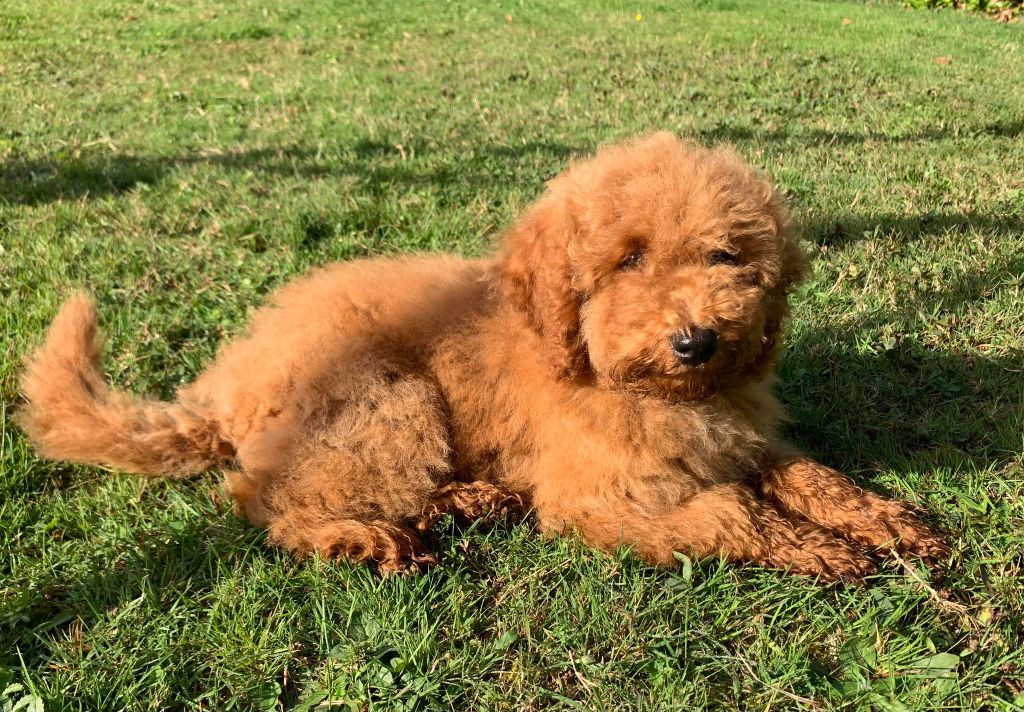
694,346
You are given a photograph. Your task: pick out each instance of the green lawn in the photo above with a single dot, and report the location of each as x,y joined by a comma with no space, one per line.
180,158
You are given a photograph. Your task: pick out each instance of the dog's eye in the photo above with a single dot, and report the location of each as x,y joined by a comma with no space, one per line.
722,257
632,260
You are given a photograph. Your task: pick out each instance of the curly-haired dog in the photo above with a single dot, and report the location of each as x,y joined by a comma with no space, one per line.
610,368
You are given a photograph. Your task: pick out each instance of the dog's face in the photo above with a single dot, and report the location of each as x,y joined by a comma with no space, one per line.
656,266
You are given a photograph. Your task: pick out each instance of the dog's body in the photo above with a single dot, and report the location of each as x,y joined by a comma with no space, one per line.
369,398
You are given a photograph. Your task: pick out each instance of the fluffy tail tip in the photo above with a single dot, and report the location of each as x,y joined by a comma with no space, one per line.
71,413
61,378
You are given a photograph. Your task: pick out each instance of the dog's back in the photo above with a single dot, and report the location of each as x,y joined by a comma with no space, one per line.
309,331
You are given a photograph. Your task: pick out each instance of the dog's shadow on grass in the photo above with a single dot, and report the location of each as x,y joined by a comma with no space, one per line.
906,406
866,396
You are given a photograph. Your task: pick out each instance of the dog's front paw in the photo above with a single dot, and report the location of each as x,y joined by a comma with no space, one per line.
916,538
837,563
893,526
808,550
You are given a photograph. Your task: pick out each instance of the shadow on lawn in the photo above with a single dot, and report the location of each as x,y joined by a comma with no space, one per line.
747,134
375,163
384,167
842,230
388,164
882,405
865,411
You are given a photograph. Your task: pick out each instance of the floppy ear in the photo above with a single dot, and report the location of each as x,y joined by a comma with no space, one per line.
794,268
536,278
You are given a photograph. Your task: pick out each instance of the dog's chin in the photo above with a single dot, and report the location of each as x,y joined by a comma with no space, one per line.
696,384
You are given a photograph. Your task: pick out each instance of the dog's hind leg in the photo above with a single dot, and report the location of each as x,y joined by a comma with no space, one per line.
469,501
393,548
351,477
804,488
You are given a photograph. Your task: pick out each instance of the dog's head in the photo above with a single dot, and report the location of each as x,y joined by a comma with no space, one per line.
656,266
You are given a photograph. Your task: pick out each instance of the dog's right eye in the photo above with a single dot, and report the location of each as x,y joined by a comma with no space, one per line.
632,260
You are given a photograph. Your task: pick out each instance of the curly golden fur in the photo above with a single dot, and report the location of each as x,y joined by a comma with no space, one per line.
609,368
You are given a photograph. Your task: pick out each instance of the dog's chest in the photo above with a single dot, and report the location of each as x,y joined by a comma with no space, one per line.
715,443
676,449
710,442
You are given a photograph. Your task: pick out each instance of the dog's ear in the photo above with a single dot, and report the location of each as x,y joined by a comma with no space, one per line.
794,267
536,278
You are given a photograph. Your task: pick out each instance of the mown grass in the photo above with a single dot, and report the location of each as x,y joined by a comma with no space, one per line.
179,159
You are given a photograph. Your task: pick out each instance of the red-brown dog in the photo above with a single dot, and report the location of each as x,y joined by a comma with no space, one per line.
610,368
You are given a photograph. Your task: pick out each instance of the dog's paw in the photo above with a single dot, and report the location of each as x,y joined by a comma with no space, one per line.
840,563
393,549
469,501
893,526
917,539
806,549
849,567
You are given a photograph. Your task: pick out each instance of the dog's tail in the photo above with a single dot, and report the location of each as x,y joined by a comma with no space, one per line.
73,415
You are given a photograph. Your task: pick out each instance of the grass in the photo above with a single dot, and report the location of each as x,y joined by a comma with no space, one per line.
180,159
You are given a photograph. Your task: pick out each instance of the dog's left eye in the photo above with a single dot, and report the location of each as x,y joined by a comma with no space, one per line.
632,260
721,257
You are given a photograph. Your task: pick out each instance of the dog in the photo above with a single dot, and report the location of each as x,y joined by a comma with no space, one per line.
610,369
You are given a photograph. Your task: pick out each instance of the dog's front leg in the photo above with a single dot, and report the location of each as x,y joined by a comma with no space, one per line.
802,487
727,521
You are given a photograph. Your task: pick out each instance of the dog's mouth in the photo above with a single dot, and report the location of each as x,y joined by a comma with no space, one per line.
659,372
